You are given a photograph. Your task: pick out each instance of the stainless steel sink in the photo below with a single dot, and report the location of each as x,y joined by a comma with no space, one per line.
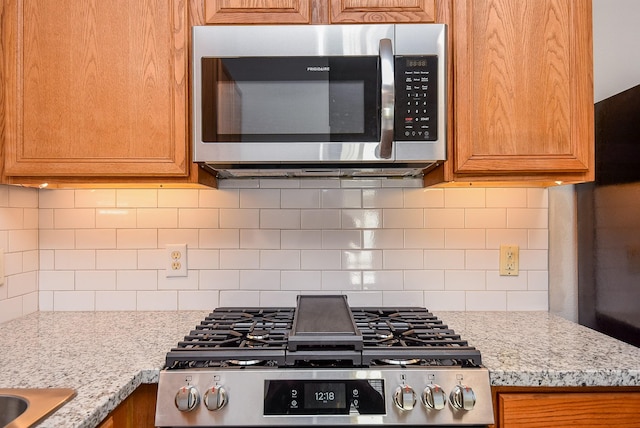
25,407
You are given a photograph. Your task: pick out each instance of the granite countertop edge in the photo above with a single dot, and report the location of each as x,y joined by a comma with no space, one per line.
105,356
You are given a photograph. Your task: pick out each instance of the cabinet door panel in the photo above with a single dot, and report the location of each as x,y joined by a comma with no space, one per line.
101,89
377,11
523,86
257,11
549,410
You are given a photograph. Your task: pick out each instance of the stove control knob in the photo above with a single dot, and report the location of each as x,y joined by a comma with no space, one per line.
404,397
434,397
187,398
462,398
215,398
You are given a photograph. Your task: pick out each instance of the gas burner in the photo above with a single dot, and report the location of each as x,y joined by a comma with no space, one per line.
258,335
244,363
397,362
383,335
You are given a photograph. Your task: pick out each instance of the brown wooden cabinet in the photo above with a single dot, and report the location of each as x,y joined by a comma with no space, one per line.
317,11
95,90
522,91
564,407
136,411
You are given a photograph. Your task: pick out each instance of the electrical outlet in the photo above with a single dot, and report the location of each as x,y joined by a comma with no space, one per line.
177,260
509,260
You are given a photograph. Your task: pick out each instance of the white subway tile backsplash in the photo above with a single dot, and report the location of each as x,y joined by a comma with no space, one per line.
301,280
465,198
507,197
259,280
464,280
115,300
103,280
320,259
445,300
407,218
134,280
197,300
341,280
341,239
424,280
157,218
423,198
69,218
424,238
444,218
22,240
260,198
117,260
300,198
341,198
157,300
280,259
403,259
381,198
262,242
320,219
382,280
239,259
362,259
527,218
280,219
196,218
179,198
527,301
138,198
116,218
74,259
136,238
465,238
178,236
361,219
95,238
497,237
486,300
300,239
485,218
382,238
74,301
94,198
239,218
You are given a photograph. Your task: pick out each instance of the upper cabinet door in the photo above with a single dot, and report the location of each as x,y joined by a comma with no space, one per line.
379,11
523,89
98,88
257,12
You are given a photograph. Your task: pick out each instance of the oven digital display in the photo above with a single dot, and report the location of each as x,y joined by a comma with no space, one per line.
323,395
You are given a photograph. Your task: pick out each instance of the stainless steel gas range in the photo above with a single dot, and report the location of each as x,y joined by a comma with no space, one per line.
323,363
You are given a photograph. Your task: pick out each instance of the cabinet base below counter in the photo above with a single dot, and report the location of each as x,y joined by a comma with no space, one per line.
578,407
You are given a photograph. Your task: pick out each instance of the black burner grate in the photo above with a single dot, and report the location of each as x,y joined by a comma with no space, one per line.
259,336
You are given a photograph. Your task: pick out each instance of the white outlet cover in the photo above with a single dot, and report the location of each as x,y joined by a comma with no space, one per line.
176,260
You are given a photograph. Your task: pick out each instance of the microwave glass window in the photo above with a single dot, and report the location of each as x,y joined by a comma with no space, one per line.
294,107
293,99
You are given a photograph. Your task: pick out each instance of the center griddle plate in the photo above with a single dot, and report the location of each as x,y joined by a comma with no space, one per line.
322,322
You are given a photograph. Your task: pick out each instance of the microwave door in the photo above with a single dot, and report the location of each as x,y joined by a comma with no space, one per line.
294,109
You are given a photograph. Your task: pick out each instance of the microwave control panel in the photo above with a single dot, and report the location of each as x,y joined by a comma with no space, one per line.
416,112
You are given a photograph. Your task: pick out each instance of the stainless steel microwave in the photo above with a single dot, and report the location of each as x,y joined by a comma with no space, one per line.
319,100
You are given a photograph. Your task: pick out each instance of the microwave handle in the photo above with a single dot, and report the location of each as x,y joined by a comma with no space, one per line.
387,99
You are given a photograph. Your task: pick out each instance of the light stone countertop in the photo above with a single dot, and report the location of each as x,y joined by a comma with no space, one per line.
106,355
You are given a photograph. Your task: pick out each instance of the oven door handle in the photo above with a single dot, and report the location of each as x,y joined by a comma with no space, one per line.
387,99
